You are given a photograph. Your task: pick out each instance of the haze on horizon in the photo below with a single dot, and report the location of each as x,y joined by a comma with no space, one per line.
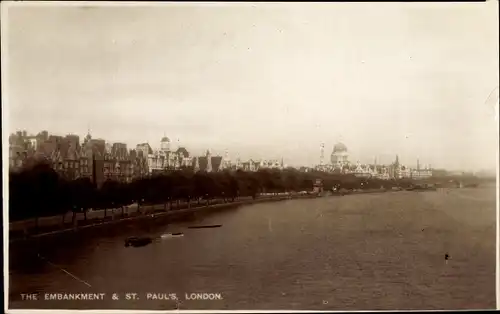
263,80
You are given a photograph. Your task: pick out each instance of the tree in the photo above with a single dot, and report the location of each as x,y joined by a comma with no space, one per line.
232,188
124,196
138,189
203,186
290,180
84,196
109,195
44,182
165,189
65,200
181,184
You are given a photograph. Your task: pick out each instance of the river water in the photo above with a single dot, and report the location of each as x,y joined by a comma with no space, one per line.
381,251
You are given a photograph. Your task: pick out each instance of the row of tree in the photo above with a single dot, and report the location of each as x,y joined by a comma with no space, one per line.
39,191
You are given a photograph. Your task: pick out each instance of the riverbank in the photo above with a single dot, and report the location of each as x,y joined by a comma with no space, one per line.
150,212
159,212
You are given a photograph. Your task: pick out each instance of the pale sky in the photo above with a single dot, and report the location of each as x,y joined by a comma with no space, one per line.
263,80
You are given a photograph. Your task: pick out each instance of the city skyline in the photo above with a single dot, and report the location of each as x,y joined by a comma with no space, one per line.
235,156
385,79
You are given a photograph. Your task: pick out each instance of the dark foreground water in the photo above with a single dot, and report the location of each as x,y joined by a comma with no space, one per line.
374,251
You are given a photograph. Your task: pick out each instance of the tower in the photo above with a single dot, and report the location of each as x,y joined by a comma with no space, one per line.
227,160
87,138
224,161
197,164
394,169
322,154
165,144
94,171
209,161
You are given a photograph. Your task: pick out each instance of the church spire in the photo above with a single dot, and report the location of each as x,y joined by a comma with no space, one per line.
197,164
209,161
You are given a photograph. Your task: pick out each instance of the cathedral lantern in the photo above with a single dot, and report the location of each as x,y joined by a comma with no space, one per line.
339,155
165,144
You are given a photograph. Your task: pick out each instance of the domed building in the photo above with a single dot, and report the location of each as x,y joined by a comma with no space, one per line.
168,157
339,157
165,144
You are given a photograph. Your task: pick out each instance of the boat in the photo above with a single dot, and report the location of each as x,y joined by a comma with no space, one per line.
471,185
172,235
138,241
201,227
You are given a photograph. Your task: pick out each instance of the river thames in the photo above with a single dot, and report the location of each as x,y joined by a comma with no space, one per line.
383,251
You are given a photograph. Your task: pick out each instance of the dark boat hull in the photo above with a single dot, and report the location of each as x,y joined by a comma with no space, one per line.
203,227
138,242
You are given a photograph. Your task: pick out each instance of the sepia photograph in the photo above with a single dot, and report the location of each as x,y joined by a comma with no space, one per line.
218,156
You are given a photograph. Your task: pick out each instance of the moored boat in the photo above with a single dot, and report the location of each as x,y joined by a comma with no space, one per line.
138,241
172,235
201,227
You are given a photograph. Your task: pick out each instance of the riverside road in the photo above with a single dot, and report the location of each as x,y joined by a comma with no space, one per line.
381,251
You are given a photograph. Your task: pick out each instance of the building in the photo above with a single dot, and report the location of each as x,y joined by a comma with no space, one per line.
18,160
207,163
117,169
250,165
72,140
271,164
226,162
139,163
167,157
23,148
339,158
144,149
73,160
364,171
424,173
119,150
318,186
399,171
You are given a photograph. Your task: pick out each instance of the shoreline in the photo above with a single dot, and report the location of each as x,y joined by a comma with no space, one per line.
163,214
177,213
